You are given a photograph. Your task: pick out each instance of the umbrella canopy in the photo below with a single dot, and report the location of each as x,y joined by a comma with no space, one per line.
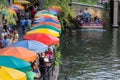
54,11
46,26
19,52
13,62
56,8
11,74
44,38
45,12
48,23
19,5
31,45
46,20
42,15
16,7
56,19
21,2
12,11
43,30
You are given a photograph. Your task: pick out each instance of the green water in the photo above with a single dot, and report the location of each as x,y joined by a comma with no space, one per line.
91,55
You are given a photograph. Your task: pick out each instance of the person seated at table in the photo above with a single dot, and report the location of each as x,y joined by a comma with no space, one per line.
97,20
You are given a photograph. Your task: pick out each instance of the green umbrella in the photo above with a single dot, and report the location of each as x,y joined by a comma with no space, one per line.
16,63
46,26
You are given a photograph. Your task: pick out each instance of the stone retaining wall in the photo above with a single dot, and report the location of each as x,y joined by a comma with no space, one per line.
93,10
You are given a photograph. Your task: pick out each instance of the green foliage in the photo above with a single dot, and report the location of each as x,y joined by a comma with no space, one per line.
3,3
67,12
90,2
58,58
9,16
106,6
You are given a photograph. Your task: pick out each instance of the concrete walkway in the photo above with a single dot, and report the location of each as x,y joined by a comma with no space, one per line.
55,74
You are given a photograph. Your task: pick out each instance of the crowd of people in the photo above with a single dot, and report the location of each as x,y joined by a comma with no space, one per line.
84,18
42,64
10,35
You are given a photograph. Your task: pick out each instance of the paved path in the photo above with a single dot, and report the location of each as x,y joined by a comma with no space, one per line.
55,74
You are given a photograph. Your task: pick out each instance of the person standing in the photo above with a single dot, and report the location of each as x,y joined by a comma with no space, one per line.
22,22
80,14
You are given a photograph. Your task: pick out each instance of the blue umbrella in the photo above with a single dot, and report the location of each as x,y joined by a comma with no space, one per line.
54,12
46,20
31,45
16,63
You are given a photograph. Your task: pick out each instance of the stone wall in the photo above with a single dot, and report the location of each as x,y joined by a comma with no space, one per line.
93,10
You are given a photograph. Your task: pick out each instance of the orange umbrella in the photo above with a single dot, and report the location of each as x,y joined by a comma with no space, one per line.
48,23
19,52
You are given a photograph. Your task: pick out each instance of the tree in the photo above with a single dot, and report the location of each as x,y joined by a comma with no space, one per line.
4,6
67,15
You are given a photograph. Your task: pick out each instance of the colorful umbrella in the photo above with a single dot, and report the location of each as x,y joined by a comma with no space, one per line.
12,11
11,74
42,15
48,23
46,20
43,30
45,12
16,63
46,26
19,52
56,8
21,2
19,5
16,7
56,19
44,38
31,45
54,11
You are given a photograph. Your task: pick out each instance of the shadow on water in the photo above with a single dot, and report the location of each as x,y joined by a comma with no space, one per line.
90,55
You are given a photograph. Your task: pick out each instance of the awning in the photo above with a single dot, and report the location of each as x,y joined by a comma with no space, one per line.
21,2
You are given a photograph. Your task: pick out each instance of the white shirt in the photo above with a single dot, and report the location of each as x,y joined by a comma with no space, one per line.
3,35
80,13
85,11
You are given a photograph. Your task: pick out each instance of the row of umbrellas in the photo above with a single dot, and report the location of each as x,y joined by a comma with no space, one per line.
18,55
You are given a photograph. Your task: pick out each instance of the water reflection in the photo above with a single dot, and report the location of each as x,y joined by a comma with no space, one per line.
90,55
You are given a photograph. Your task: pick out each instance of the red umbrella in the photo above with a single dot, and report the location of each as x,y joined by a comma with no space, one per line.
44,38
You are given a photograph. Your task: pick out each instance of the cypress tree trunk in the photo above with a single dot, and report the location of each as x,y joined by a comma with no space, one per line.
111,11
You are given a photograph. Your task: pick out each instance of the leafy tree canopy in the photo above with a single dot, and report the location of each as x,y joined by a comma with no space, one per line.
4,7
67,13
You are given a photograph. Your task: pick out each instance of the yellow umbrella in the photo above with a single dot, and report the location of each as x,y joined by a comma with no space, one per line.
11,74
44,30
21,2
43,15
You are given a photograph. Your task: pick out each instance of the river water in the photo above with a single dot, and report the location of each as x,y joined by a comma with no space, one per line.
90,55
